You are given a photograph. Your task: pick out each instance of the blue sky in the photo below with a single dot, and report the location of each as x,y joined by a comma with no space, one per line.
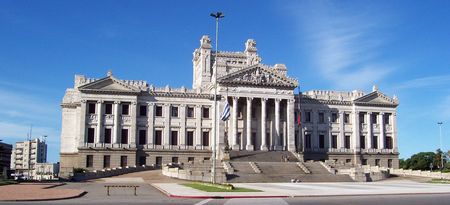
402,46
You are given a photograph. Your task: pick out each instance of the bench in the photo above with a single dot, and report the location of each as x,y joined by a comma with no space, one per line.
120,186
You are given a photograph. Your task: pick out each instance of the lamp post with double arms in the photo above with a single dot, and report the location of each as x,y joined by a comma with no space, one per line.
217,16
440,144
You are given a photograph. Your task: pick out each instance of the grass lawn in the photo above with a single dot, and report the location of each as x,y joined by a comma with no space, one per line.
440,181
7,182
212,188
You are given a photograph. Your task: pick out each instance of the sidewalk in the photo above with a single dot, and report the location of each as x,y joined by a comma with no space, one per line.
271,190
37,192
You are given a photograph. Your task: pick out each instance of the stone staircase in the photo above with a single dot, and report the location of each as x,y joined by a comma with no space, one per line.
261,156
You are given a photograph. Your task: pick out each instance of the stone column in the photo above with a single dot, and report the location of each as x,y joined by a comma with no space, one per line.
341,130
290,114
99,122
133,126
277,124
198,127
263,124
234,123
249,124
166,134
381,116
116,127
82,126
182,134
369,130
394,132
356,133
151,124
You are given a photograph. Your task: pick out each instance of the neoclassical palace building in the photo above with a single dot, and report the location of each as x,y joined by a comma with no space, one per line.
110,122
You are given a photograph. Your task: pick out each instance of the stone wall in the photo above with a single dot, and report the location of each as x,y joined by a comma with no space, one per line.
420,173
194,173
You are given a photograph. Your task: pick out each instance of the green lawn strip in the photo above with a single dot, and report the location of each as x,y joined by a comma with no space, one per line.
439,181
217,188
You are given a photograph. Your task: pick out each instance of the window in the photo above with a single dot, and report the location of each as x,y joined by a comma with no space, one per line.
362,142
89,161
347,142
205,112
346,118
334,117
107,135
321,117
124,138
375,142
334,141
158,111
253,112
158,137
387,118
205,138
388,143
158,161
143,110
348,160
253,139
106,161
91,108
307,116
190,112
175,160
174,111
91,135
374,118
142,137
174,138
142,160
308,140
364,162
190,159
362,118
377,162
190,138
390,163
321,141
123,161
125,109
108,108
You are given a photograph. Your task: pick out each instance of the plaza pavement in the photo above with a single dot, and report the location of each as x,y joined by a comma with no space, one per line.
280,190
37,192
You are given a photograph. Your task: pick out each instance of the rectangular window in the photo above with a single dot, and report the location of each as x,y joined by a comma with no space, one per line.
253,112
158,137
387,118
190,138
142,160
91,108
334,141
175,160
362,141
388,143
91,135
205,138
374,118
107,135
308,140
125,109
307,116
375,142
124,136
190,112
190,159
158,111
108,108
123,161
364,162
89,161
377,162
334,117
346,118
347,142
362,118
205,112
321,141
389,163
143,110
158,161
321,117
348,160
106,161
174,138
174,111
142,137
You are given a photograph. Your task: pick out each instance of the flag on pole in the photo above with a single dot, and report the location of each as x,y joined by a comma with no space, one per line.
226,112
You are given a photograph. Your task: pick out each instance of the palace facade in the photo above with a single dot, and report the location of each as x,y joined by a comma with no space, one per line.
110,122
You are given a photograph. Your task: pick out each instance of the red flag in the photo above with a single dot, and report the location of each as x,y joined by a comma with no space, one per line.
299,114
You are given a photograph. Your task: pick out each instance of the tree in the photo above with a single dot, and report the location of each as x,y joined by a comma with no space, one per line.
421,161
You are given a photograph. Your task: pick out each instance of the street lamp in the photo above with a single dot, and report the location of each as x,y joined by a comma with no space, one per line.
440,142
217,16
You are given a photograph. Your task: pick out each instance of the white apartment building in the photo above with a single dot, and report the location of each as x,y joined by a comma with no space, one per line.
26,155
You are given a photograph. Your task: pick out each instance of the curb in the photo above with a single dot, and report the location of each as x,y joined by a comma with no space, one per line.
52,199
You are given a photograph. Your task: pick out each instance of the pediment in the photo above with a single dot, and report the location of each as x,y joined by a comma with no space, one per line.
258,75
109,85
376,98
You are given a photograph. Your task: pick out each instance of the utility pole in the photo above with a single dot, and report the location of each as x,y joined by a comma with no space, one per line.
440,144
217,16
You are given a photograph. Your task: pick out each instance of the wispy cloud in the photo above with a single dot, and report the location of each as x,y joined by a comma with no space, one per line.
426,82
345,46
